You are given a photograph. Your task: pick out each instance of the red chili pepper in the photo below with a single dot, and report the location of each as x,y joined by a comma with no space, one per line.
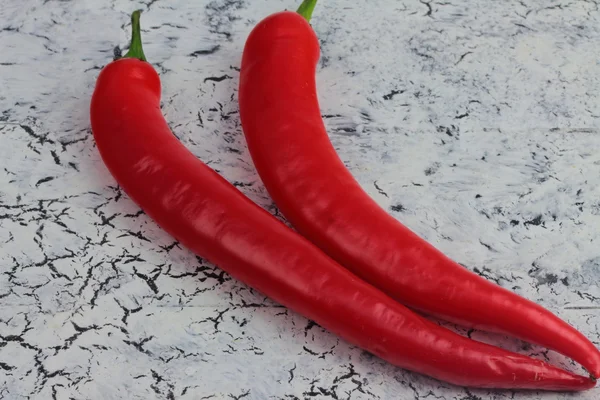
216,221
309,183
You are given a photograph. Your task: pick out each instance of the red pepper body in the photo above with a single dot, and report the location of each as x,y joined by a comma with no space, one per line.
309,183
216,221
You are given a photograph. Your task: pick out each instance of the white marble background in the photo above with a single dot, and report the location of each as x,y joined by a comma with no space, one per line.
474,122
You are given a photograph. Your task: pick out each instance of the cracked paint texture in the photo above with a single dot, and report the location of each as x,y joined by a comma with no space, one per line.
475,123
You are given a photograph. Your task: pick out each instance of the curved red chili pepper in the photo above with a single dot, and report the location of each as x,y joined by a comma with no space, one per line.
309,183
216,221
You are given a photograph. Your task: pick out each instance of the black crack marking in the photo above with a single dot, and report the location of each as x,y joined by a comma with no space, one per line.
429,9
451,131
101,288
470,396
94,68
41,139
150,280
523,26
346,130
423,55
311,324
139,345
217,78
365,116
169,25
487,246
486,273
291,371
138,235
205,52
117,53
79,330
241,396
6,367
137,214
55,157
242,184
462,57
351,373
535,221
149,3
232,150
391,94
398,208
216,321
66,143
380,190
44,180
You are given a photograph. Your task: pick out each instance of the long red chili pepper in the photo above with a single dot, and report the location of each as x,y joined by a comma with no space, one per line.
216,221
295,159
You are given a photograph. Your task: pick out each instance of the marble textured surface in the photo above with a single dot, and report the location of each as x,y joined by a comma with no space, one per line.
474,122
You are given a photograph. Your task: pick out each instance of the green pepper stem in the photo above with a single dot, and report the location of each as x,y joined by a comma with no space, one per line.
306,9
135,49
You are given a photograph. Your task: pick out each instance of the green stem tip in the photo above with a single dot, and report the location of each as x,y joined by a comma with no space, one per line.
306,9
135,49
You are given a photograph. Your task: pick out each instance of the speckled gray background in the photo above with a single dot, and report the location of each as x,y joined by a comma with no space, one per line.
474,122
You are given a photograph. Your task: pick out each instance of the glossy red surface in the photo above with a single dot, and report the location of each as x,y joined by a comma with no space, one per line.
309,183
216,221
